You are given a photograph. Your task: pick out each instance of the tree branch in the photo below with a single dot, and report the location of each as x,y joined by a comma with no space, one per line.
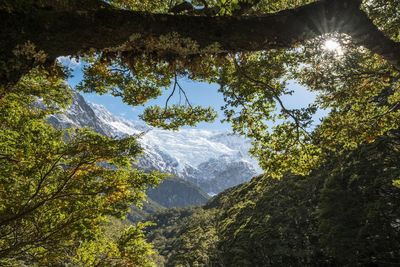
244,7
69,32
172,93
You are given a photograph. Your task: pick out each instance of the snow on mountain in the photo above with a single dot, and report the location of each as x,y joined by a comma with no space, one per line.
215,175
117,127
213,160
79,114
188,147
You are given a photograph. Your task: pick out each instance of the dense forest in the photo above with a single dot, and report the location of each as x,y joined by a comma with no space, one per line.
329,195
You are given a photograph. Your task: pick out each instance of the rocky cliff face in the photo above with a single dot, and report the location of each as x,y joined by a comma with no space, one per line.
80,114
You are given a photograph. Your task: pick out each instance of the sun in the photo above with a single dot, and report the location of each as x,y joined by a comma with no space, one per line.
332,45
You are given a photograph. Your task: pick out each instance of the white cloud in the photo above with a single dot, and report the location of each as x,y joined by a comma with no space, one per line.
69,62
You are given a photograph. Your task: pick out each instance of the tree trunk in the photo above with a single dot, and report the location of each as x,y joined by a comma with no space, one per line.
71,31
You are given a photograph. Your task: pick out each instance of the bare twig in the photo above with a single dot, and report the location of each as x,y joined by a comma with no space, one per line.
285,110
184,94
172,93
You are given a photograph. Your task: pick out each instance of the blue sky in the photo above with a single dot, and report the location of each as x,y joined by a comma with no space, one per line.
198,93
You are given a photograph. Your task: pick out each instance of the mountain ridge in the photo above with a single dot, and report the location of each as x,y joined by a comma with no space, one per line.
203,157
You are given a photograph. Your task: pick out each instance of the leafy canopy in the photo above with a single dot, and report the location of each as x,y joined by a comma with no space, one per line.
358,89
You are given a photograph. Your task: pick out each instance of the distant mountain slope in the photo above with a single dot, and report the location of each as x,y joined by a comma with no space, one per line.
212,160
138,214
216,175
171,193
175,192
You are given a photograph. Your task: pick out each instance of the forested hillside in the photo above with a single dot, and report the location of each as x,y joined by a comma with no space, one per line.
346,213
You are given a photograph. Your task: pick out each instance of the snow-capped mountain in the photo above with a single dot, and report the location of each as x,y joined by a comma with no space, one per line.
212,160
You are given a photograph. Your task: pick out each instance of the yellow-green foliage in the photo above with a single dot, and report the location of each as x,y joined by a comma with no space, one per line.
175,116
119,245
59,187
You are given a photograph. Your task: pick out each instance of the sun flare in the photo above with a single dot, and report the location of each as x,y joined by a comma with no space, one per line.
332,45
